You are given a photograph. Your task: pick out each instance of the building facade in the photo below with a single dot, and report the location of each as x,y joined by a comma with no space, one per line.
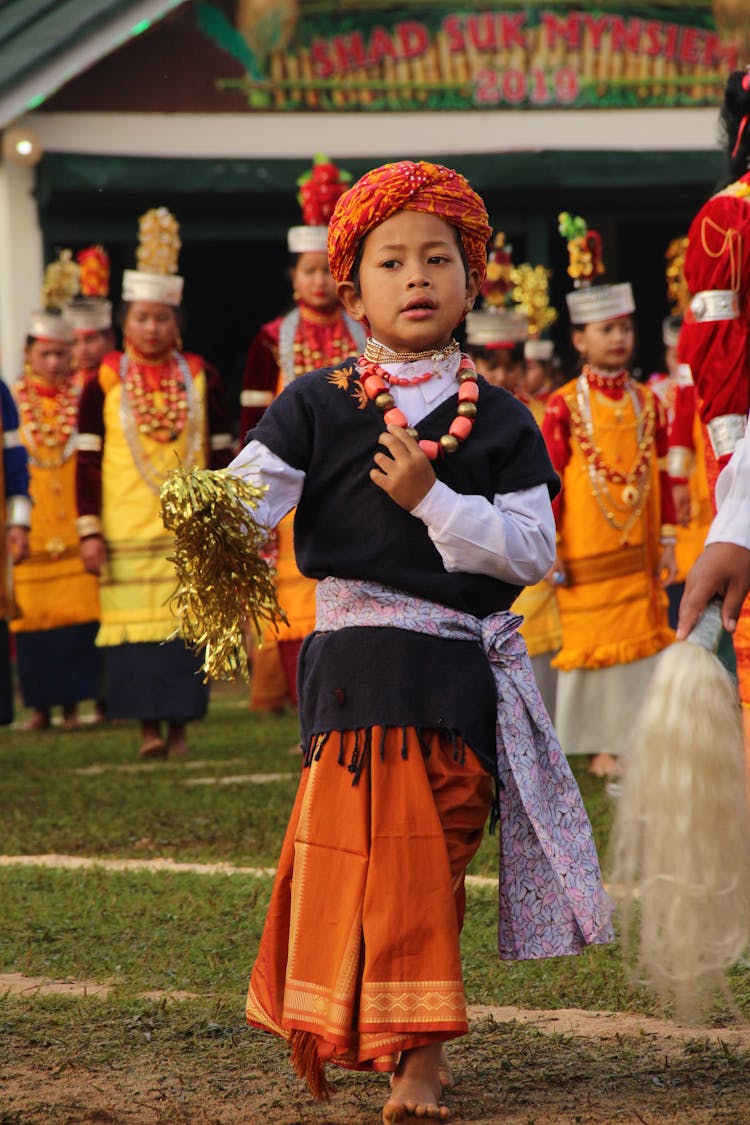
214,110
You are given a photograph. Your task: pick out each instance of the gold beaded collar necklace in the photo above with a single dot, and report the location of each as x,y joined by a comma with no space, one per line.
376,352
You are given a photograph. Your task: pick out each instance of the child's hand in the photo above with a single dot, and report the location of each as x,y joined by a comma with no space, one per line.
404,471
17,539
667,568
557,575
93,554
681,498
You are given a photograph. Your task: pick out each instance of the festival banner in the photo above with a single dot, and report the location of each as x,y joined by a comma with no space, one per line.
353,55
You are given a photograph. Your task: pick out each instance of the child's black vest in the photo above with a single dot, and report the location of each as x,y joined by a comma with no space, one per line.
346,526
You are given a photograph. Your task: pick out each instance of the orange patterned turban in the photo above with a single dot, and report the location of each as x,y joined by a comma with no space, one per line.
407,186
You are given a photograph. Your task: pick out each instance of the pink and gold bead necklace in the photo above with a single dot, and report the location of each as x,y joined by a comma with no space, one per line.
376,380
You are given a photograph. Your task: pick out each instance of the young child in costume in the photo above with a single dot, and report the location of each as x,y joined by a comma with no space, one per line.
55,629
423,506
315,333
152,405
605,434
496,333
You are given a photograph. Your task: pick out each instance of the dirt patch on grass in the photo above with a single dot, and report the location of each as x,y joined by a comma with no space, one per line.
508,1073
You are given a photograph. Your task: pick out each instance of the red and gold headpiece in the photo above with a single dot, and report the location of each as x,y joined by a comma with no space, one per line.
93,264
319,189
407,186
92,312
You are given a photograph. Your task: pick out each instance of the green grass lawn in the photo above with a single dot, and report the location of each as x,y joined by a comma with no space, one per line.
130,1055
78,794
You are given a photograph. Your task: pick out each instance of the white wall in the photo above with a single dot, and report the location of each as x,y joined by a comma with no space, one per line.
340,135
21,263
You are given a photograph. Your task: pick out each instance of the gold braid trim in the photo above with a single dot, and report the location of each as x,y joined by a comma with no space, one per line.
222,580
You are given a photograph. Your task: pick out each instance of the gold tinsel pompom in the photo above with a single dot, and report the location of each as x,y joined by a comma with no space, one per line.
159,242
60,284
222,581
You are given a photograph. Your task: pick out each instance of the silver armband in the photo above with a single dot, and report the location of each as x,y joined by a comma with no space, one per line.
715,304
724,432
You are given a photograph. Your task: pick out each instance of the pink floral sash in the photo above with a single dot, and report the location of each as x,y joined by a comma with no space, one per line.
552,901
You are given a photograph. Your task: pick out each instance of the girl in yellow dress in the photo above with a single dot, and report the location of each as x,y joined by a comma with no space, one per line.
615,520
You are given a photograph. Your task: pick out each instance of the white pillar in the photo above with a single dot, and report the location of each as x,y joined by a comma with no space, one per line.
21,263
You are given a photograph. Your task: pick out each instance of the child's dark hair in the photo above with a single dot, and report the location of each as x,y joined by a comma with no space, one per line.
361,247
735,122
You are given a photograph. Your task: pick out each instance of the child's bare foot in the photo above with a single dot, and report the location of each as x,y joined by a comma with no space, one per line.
416,1087
445,1071
153,745
177,740
70,720
40,720
152,748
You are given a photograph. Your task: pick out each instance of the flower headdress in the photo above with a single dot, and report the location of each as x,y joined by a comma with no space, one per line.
319,191
92,312
590,303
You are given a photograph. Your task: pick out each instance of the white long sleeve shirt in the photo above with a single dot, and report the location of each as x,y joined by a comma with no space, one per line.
732,521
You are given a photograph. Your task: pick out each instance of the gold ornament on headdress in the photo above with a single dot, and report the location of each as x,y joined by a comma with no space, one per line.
584,248
678,294
159,242
531,293
498,279
222,580
61,280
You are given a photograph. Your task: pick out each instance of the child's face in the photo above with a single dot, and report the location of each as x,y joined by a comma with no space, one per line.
413,286
90,348
606,344
536,376
312,280
49,359
151,327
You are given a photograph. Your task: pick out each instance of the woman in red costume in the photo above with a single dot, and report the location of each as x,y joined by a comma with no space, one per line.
316,333
715,338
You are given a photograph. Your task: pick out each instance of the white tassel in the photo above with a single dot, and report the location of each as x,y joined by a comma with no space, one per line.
681,838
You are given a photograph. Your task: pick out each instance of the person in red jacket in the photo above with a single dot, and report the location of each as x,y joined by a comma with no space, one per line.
715,337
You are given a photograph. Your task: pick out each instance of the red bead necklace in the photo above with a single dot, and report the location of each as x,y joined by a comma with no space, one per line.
401,381
375,382
615,382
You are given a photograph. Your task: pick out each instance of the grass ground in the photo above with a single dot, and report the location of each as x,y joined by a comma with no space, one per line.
131,1052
